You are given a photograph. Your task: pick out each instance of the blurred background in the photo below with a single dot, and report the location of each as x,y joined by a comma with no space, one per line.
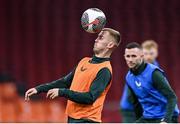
42,40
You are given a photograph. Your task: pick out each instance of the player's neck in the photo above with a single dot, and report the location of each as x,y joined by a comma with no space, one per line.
138,69
103,54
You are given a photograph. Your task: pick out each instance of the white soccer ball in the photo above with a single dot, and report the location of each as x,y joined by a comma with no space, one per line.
93,20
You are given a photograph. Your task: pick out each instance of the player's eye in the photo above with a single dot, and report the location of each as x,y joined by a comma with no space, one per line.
101,37
151,53
134,56
127,56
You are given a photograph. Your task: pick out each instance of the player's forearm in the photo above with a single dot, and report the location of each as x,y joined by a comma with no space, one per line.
171,103
162,84
134,100
55,84
78,97
64,82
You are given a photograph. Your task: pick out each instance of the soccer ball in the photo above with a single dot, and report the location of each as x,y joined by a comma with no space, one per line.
93,20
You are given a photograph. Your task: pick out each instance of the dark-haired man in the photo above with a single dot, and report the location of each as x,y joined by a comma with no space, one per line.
150,50
150,88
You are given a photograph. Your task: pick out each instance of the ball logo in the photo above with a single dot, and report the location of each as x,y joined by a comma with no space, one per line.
96,21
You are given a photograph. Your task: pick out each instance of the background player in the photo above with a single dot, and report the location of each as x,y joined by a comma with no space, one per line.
150,88
150,50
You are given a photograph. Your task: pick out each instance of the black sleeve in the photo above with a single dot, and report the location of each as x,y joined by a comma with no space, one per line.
134,100
161,83
64,82
99,84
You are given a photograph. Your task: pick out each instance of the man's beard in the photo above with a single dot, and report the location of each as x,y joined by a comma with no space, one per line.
137,65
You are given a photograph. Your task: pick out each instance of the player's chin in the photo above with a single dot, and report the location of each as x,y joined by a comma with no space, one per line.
131,66
95,49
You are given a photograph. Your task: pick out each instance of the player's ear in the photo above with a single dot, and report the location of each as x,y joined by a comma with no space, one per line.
142,55
111,45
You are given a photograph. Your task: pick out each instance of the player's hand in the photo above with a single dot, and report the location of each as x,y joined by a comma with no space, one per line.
29,93
53,93
163,121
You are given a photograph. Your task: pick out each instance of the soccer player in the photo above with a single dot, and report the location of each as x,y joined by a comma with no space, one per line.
150,88
86,86
150,50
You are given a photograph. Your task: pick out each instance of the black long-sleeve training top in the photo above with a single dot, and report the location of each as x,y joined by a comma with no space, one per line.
99,84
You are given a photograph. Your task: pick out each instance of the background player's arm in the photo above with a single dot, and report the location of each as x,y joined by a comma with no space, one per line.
134,100
64,82
99,84
162,85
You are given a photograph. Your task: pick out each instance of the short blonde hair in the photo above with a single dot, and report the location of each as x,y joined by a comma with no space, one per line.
148,44
115,34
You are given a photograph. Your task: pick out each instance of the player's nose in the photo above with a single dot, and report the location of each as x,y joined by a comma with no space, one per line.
130,59
96,41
